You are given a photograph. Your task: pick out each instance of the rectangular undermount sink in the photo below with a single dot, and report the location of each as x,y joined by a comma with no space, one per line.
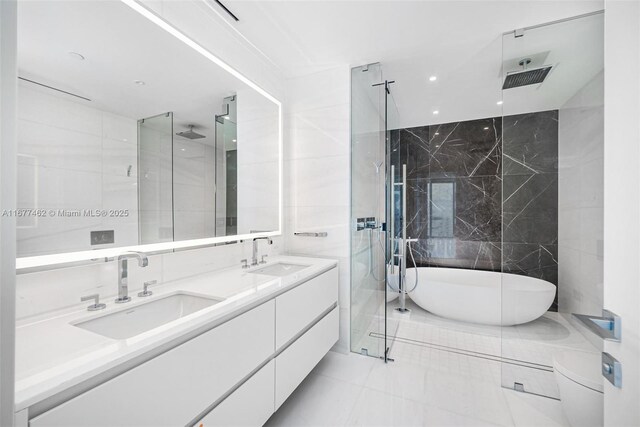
146,316
280,269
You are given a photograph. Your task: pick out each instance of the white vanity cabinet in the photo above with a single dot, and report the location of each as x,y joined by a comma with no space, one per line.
301,306
173,388
237,373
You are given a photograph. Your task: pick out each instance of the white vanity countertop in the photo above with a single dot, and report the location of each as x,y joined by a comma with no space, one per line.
53,355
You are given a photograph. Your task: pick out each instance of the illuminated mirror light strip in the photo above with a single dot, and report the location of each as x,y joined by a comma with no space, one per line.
42,260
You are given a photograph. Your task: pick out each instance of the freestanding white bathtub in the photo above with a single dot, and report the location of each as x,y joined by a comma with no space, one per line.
489,298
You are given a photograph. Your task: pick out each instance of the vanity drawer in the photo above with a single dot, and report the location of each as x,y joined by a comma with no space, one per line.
295,363
250,405
299,307
173,388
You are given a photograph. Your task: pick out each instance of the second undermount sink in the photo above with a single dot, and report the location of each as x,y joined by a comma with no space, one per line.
146,316
280,269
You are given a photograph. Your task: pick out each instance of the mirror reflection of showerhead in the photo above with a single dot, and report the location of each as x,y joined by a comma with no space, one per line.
190,134
526,76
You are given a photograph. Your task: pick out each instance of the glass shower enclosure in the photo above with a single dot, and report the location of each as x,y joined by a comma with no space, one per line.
373,115
510,201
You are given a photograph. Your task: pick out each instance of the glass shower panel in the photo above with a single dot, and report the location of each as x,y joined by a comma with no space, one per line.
155,179
367,211
396,195
552,207
226,168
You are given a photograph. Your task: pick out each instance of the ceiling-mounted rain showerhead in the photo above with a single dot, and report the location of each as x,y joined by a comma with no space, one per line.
526,76
190,134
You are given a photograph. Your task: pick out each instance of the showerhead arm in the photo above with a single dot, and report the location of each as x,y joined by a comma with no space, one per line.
524,62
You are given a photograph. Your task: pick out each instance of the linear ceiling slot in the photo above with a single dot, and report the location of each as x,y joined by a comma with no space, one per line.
53,88
227,10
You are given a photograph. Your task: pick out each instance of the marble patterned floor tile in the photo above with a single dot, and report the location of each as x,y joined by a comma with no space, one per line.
318,401
533,411
352,368
375,408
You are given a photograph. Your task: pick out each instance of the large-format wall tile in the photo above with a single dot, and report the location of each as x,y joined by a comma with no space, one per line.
417,208
477,209
466,149
531,143
456,253
413,150
530,208
472,213
533,260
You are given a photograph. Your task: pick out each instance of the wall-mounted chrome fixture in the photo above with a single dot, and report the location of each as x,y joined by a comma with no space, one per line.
608,327
366,222
612,370
318,234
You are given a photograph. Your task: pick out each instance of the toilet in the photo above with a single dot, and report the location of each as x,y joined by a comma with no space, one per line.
580,385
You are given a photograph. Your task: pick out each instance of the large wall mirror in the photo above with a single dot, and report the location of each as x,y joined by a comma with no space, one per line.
131,134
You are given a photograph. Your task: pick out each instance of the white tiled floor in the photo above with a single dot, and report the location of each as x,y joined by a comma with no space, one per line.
354,390
427,338
445,373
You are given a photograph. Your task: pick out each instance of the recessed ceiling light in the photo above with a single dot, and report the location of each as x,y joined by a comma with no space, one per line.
433,78
233,140
183,149
499,102
139,82
76,55
486,128
436,112
437,133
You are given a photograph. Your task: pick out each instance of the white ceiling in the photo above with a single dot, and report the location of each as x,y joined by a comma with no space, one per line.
458,41
120,46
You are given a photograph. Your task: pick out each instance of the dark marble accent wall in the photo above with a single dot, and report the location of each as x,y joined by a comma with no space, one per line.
462,227
471,205
530,200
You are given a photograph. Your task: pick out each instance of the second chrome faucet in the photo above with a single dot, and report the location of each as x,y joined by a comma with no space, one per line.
123,273
254,258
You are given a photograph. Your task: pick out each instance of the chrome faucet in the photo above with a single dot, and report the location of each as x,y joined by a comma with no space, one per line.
254,258
123,273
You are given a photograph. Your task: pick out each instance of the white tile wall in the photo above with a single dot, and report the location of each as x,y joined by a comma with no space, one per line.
258,169
317,173
41,293
72,156
581,201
